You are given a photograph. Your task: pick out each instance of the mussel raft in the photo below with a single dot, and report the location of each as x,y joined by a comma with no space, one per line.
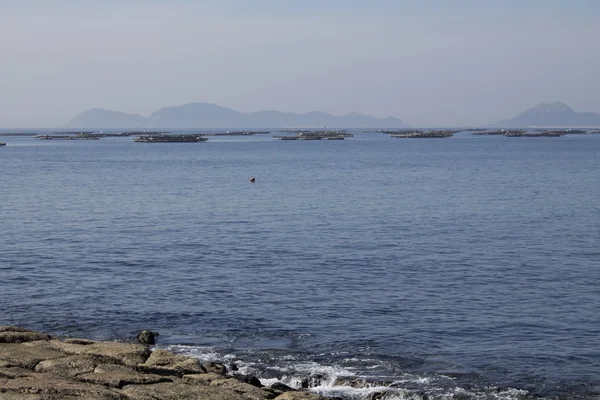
170,139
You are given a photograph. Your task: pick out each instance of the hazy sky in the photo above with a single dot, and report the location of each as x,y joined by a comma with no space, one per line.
425,61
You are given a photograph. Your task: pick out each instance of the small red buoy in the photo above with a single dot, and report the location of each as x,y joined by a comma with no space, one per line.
252,179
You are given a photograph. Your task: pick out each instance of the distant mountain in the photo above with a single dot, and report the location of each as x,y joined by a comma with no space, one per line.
101,118
553,114
210,116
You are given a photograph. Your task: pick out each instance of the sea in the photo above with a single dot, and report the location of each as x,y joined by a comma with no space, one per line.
367,268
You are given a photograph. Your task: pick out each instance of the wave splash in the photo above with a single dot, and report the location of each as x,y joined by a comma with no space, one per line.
346,378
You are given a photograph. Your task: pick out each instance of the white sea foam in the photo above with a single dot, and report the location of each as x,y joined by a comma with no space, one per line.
340,381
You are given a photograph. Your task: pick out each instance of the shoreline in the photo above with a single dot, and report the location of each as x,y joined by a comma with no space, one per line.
37,366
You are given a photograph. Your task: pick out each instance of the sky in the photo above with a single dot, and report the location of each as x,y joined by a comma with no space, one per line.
428,62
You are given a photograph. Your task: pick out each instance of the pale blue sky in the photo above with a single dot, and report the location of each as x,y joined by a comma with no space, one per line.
429,62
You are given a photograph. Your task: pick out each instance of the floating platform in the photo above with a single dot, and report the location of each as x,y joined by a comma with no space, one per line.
317,135
499,132
236,133
540,134
170,139
18,134
438,134
533,132
67,137
311,137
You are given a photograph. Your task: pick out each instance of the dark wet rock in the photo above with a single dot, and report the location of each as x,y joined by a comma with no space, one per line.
359,383
249,379
282,387
215,367
117,376
162,362
271,393
312,381
351,381
147,337
462,396
377,396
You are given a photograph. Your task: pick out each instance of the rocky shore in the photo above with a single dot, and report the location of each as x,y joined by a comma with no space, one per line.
36,366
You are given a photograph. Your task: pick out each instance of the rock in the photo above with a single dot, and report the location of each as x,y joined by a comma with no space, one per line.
9,328
71,366
56,387
180,391
205,379
147,337
82,369
272,393
249,379
350,381
79,341
26,396
163,362
299,396
26,355
359,383
22,337
19,396
376,396
312,381
282,387
241,387
117,376
16,334
128,354
215,367
14,372
215,380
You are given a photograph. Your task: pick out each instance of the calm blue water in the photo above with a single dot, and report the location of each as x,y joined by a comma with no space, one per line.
464,267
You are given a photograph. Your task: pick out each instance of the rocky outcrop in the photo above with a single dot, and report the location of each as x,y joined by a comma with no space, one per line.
163,362
34,366
215,367
128,354
13,334
147,337
26,355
